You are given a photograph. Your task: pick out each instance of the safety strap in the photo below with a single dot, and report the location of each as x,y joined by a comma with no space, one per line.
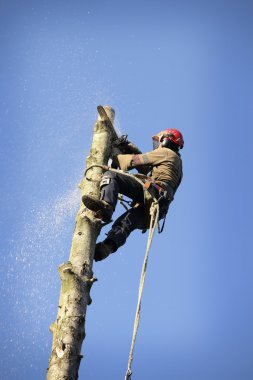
122,201
160,229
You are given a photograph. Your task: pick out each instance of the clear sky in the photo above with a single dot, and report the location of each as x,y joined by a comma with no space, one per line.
180,64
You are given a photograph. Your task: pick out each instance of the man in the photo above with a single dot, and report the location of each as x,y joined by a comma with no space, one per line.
165,167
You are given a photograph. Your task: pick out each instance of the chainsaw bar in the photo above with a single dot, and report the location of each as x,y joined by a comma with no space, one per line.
105,118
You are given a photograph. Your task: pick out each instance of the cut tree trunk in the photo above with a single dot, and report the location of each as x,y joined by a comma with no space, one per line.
76,275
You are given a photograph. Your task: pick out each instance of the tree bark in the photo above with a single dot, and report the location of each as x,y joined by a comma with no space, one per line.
76,275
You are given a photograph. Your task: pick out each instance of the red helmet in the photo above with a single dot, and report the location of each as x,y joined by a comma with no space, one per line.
175,136
171,134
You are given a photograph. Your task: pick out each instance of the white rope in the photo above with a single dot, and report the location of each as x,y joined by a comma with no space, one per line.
154,211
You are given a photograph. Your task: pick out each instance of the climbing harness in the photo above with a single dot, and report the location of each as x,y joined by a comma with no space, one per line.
154,221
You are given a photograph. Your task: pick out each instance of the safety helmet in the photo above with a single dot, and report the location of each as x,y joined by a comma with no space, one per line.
166,137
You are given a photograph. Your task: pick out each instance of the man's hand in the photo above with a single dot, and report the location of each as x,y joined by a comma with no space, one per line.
115,162
123,146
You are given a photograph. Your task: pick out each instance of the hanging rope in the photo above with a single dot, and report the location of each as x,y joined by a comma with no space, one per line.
154,211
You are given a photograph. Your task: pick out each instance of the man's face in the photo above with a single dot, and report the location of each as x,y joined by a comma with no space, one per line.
157,139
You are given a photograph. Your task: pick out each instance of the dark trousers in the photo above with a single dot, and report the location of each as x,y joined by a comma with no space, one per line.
111,185
136,217
114,183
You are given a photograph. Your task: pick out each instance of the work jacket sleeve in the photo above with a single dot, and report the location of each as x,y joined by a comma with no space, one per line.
130,161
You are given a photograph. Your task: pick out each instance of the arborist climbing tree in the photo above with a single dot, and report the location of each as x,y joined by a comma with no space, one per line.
161,174
151,190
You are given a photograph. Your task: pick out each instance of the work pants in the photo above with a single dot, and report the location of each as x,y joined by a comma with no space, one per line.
136,217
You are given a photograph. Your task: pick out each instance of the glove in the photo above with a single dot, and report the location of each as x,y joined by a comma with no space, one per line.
123,146
115,162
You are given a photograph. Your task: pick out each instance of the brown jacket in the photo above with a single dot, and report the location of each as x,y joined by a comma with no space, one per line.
164,163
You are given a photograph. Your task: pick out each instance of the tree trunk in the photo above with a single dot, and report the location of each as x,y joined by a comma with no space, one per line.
76,275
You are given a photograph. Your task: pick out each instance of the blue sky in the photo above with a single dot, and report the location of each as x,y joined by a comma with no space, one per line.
160,64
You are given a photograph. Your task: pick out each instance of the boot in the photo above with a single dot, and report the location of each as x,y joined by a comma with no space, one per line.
102,209
103,250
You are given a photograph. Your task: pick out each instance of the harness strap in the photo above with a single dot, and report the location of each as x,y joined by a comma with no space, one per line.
122,201
164,189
